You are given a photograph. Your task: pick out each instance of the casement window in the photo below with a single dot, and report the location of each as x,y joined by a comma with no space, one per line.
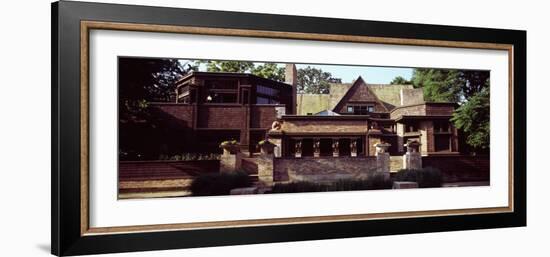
360,109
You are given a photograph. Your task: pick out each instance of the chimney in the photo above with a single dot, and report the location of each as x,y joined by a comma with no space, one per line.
291,78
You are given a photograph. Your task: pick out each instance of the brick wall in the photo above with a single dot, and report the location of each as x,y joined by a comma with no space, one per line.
180,112
322,169
262,116
223,116
460,168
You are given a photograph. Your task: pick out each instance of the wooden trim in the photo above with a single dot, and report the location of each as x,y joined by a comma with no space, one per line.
84,130
294,220
86,26
288,35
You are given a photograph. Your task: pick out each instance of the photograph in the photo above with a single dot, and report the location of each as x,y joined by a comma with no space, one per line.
175,127
203,127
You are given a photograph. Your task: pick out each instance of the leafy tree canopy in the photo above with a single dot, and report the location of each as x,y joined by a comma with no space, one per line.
315,81
142,80
270,71
442,85
472,117
310,80
400,81
469,88
228,66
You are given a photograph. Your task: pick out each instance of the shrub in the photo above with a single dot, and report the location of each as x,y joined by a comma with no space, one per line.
299,187
190,157
377,181
425,177
219,183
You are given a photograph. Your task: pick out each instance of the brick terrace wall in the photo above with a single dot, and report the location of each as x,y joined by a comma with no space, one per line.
460,168
222,116
322,169
159,170
262,116
181,112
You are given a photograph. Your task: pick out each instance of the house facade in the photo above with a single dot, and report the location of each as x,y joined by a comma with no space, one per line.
213,107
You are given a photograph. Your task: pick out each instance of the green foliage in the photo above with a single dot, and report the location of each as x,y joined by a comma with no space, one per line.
470,88
425,177
443,85
400,81
267,70
371,183
472,117
147,79
270,71
314,81
228,66
219,183
439,85
299,187
228,143
190,157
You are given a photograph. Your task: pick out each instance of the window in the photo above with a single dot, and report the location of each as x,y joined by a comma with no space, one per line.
360,109
441,126
221,91
412,127
267,91
221,98
265,100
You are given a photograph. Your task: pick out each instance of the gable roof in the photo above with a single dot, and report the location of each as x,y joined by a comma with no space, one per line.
358,86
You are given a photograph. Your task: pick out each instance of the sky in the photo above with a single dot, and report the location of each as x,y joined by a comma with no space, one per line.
371,74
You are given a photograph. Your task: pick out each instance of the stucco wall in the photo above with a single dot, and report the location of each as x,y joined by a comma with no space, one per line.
312,103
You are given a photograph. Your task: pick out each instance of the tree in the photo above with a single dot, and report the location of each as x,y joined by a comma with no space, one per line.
228,66
439,85
469,88
400,81
472,117
270,71
442,85
314,81
142,80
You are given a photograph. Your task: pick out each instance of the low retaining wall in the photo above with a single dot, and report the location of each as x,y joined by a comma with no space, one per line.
460,168
155,170
322,169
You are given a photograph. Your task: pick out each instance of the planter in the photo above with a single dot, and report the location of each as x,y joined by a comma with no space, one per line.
230,147
266,147
382,147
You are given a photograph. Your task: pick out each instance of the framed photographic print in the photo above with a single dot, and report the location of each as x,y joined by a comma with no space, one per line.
178,128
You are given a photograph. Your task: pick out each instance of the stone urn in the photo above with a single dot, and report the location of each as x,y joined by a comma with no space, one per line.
382,147
413,146
266,147
230,147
